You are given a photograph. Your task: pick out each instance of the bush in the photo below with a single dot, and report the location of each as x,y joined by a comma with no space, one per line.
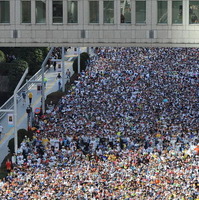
16,71
84,57
54,97
2,57
34,56
21,135
73,78
3,171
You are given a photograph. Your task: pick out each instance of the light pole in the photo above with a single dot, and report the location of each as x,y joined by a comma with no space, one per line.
78,59
42,78
15,109
63,71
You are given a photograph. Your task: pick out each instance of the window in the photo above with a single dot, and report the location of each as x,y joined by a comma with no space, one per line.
40,11
94,11
26,11
72,12
57,12
162,12
177,12
140,11
108,11
125,9
194,12
4,12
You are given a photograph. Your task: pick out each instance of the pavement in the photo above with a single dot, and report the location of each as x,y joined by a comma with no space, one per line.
51,86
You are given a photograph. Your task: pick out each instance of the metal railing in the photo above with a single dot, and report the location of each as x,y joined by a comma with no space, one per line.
9,104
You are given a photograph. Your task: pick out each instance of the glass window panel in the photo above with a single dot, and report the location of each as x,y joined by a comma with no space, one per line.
26,11
4,12
162,12
57,12
108,11
194,12
94,11
177,12
140,11
125,9
40,11
72,12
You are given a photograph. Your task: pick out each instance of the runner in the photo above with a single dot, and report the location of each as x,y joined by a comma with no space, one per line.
24,97
30,96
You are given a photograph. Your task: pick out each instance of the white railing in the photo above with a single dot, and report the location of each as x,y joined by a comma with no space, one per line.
9,104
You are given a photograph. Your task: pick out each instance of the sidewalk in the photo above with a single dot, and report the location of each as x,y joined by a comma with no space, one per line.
51,86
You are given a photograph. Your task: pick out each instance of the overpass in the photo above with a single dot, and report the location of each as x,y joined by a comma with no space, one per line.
99,23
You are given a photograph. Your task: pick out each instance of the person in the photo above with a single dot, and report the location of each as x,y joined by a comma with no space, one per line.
59,84
58,76
45,81
30,95
59,81
13,160
8,165
54,65
1,129
24,96
48,63
68,75
101,150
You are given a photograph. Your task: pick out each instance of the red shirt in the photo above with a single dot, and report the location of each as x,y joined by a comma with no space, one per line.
8,165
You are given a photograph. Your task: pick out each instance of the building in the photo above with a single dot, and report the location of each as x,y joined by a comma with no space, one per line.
99,23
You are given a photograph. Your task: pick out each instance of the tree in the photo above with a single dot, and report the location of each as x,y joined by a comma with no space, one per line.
34,56
16,72
84,57
2,57
54,97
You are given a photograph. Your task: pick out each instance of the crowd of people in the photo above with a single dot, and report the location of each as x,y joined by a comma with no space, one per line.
126,130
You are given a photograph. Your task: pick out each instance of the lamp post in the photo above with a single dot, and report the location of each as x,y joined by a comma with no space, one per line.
29,118
63,71
78,51
42,84
15,109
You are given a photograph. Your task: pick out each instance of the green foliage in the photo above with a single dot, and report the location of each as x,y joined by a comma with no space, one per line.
34,56
3,173
19,65
2,57
54,97
16,72
5,68
11,145
26,57
4,96
84,57
21,133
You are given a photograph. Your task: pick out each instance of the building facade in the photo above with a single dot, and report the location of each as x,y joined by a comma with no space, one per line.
99,23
